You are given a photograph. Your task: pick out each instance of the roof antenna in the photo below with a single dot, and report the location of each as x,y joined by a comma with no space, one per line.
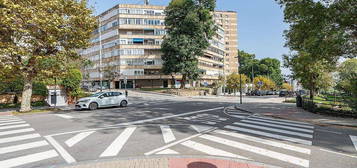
146,2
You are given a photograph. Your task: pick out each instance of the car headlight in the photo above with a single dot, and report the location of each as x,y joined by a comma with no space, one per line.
84,101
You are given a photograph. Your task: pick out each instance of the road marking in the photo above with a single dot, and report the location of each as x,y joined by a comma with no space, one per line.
65,155
328,131
291,139
278,126
137,122
16,131
6,121
28,159
64,116
338,153
257,150
114,148
15,126
264,141
19,138
22,147
167,133
237,116
10,123
167,152
274,130
209,150
289,121
354,141
75,139
238,113
209,123
200,128
176,142
281,123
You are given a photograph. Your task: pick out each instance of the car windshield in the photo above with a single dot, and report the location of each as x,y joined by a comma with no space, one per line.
96,94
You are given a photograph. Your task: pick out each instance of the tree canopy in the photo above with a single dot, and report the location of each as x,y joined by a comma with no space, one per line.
40,37
267,84
250,66
233,81
189,26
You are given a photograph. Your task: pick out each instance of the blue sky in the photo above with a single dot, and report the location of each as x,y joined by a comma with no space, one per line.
260,23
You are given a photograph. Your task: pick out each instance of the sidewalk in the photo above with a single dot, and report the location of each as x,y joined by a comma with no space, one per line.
291,112
8,111
172,162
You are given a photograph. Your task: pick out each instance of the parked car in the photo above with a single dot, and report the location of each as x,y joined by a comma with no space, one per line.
270,93
258,93
89,89
102,99
283,93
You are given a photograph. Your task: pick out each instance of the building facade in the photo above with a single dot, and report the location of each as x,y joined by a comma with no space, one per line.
130,37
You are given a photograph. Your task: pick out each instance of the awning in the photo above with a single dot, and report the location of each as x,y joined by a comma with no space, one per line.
138,40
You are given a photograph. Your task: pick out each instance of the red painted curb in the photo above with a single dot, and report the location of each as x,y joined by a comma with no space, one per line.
207,163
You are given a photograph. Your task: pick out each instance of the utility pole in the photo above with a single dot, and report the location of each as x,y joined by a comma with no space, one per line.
240,80
100,55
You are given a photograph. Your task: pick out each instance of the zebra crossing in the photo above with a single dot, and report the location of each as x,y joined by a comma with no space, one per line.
21,145
236,114
209,119
279,141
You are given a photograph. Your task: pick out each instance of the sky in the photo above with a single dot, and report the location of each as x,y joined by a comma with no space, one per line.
260,24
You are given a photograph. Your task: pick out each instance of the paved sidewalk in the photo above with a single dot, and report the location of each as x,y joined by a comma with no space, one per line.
290,111
172,162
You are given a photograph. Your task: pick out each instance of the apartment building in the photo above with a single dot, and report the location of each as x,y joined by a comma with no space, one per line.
130,37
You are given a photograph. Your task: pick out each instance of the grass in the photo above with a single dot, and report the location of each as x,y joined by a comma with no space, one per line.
292,100
35,111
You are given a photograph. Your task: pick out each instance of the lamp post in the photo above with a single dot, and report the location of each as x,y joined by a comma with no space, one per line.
240,80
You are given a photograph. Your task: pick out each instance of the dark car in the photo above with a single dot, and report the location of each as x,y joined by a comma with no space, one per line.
270,93
283,93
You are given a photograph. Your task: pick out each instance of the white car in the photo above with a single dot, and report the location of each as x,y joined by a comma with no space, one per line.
102,99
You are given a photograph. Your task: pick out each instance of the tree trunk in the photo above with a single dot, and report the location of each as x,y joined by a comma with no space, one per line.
183,81
172,81
26,95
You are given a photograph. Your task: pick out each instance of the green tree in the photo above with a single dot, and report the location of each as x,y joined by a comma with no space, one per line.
190,26
39,37
324,29
347,81
250,66
310,72
72,82
233,81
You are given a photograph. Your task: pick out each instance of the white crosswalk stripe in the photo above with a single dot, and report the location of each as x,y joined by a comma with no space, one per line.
77,138
167,133
354,141
274,130
279,126
280,123
22,160
258,150
17,138
114,148
270,135
209,150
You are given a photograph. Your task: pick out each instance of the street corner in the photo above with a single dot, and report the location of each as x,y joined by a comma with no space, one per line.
211,163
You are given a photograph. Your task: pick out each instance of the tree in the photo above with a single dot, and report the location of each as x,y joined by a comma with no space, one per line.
324,29
347,81
287,86
39,37
72,82
251,66
309,71
267,84
233,81
190,26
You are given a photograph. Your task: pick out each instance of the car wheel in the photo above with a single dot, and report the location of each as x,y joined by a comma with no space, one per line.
123,103
93,106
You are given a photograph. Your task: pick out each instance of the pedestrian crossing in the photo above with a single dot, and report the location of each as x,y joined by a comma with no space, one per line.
209,119
237,114
276,140
20,145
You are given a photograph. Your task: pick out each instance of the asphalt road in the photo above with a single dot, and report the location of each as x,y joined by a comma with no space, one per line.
155,125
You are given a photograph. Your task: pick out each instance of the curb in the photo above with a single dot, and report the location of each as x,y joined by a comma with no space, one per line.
293,119
95,163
